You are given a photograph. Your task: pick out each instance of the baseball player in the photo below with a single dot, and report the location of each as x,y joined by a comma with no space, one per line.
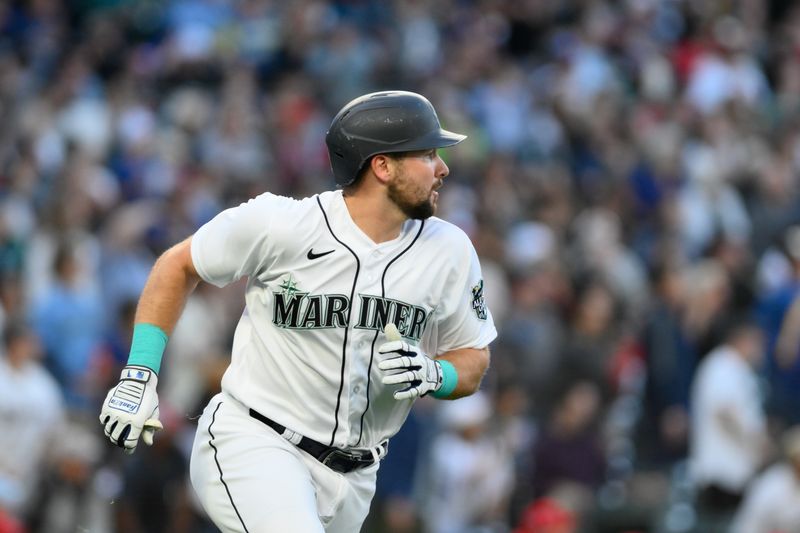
358,302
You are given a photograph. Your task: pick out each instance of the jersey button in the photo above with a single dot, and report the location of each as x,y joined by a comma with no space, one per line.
357,389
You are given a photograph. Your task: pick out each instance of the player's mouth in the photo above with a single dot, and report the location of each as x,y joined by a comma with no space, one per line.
434,197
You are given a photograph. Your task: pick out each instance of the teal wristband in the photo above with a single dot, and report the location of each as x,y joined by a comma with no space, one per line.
449,379
147,346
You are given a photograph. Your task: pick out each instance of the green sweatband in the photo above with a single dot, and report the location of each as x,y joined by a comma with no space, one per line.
147,346
449,379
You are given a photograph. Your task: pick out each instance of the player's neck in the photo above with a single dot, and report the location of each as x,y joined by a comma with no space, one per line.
379,218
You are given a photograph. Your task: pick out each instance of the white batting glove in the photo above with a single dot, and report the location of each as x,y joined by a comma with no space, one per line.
406,364
131,409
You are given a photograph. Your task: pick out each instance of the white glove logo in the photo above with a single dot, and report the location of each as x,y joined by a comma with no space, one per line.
131,409
407,365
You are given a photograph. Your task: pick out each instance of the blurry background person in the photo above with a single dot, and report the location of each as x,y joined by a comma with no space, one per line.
772,503
470,476
779,315
670,360
594,336
393,508
69,317
728,439
31,415
156,495
568,456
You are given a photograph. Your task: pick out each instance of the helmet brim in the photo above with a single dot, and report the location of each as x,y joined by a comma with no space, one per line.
448,138
440,138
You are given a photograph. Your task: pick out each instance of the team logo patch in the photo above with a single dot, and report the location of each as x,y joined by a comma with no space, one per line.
289,286
478,301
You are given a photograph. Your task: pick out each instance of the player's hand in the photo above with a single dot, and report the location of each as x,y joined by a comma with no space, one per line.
130,409
405,364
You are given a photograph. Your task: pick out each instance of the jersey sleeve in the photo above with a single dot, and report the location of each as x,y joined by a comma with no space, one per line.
234,244
463,318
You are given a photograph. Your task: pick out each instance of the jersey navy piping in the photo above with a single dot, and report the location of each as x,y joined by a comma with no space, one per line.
372,351
347,326
219,467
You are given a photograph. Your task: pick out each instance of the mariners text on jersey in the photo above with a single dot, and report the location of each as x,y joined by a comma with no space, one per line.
297,310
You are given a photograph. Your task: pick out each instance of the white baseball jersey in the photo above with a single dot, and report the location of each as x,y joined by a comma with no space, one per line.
319,294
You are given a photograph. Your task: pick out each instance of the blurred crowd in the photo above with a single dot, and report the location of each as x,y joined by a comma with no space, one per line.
630,182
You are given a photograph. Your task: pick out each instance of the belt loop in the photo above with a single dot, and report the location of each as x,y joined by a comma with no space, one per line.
292,436
379,451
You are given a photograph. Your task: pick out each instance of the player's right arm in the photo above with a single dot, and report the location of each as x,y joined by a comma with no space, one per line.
130,409
170,283
230,246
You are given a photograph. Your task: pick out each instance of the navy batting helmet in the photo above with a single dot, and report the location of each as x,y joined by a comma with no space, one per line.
381,123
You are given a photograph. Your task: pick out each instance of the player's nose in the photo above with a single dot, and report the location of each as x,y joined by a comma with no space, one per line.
442,169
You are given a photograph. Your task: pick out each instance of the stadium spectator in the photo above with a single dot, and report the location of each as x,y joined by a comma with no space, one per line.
70,319
471,473
32,413
728,440
779,313
568,455
670,359
156,496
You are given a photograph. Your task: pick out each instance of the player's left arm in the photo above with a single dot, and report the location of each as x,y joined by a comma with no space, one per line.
470,364
463,321
465,329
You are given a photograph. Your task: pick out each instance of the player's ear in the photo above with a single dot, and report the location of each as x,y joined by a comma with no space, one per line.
382,166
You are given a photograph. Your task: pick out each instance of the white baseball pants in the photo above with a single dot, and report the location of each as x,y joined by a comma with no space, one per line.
251,480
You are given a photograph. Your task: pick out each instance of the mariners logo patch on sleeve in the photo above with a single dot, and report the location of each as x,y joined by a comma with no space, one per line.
478,301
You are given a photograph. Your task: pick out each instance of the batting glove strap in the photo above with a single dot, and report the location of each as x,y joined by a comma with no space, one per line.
130,409
449,379
406,365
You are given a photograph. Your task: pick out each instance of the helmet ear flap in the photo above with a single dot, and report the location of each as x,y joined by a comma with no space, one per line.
340,166
359,173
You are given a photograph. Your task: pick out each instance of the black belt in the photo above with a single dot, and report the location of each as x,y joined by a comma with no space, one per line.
342,461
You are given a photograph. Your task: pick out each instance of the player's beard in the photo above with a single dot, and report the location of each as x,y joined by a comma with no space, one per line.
415,202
